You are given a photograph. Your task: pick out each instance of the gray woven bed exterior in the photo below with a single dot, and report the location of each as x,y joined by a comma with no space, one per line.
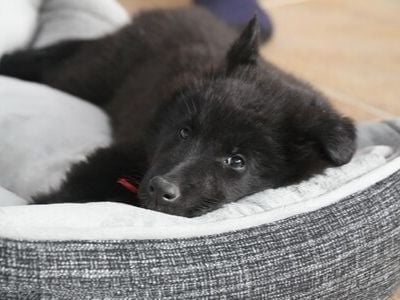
349,250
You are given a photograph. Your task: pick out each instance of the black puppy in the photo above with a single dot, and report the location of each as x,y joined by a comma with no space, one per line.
199,119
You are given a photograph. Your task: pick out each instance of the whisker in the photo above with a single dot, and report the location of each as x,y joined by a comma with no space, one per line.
194,106
211,201
206,205
187,107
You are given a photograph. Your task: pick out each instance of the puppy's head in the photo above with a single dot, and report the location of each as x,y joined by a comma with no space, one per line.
241,130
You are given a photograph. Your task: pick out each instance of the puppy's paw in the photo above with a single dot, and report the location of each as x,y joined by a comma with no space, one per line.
6,65
52,197
21,64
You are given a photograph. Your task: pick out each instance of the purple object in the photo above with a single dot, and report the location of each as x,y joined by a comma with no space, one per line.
238,12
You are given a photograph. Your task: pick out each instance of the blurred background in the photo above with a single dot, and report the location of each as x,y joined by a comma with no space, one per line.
349,49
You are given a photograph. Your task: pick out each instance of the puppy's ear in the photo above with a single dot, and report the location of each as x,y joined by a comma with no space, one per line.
338,140
244,50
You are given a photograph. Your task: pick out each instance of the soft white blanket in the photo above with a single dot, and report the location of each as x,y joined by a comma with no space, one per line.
43,131
18,22
39,23
28,114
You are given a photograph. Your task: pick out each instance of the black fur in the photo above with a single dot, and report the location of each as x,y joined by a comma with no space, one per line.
170,70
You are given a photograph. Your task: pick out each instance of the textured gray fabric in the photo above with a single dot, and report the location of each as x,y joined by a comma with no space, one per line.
349,250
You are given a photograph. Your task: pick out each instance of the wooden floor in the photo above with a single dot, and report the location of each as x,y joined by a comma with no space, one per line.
350,49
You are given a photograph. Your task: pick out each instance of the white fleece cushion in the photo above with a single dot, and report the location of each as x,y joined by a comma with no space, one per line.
30,115
78,19
18,21
43,131
50,21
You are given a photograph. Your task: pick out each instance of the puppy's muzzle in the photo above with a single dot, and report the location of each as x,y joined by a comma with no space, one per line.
162,190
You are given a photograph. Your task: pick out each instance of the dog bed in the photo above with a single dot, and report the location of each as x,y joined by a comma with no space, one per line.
336,236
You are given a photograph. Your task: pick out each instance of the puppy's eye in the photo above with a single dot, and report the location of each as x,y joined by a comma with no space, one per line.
184,133
236,162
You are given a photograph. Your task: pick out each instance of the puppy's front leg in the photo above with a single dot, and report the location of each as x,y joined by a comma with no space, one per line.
99,178
35,64
78,67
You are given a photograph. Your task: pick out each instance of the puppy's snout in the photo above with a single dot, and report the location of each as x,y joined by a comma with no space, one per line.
160,189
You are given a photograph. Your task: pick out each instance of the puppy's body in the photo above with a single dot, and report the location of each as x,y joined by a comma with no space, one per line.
198,118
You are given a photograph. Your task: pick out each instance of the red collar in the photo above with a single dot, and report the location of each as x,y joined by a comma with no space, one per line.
128,184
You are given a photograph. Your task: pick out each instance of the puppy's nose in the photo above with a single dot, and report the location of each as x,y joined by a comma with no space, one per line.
163,190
